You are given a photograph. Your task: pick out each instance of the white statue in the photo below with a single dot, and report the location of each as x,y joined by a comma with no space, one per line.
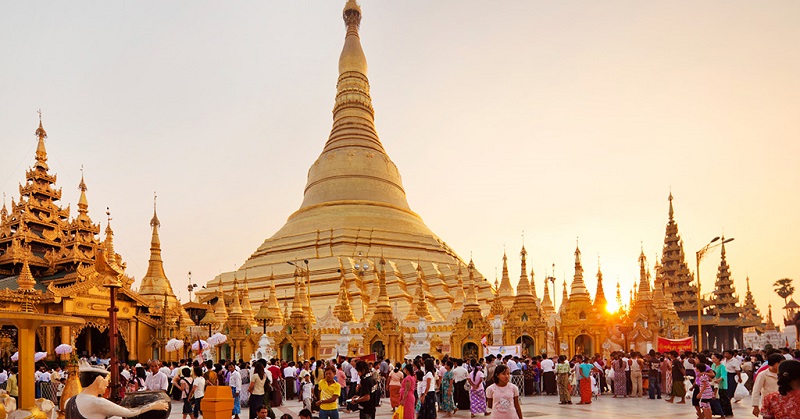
345,329
89,405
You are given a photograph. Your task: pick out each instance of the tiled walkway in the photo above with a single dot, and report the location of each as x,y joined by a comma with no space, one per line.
547,406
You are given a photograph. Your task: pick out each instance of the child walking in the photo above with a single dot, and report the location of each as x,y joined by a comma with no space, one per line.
503,397
305,391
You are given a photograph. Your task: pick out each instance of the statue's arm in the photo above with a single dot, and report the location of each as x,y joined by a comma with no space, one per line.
109,408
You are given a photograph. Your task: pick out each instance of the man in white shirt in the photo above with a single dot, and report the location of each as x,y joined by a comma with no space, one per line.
3,375
733,366
157,380
235,381
512,366
548,376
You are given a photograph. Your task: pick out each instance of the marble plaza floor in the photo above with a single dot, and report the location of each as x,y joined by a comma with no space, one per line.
547,406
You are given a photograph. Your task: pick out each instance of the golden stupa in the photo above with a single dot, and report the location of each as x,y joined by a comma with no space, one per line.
355,209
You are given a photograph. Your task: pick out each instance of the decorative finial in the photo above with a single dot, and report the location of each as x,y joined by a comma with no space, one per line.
154,222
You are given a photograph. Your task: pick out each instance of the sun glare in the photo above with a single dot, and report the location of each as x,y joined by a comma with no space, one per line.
612,307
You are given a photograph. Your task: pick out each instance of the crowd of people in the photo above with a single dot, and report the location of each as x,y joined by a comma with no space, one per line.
424,387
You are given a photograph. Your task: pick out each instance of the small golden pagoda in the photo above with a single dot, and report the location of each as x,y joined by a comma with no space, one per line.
465,341
383,334
524,323
583,324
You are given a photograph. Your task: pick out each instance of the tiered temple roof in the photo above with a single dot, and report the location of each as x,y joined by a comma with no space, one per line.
675,271
725,303
750,312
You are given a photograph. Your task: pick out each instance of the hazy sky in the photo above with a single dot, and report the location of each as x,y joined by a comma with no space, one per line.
563,119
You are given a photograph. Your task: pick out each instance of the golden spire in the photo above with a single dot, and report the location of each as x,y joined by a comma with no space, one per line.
533,287
236,306
155,281
619,297
220,311
3,211
264,312
578,286
297,302
600,295
41,151
25,280
383,295
111,254
343,311
565,295
671,210
421,305
643,293
523,286
274,306
247,308
547,303
472,297
505,290
770,324
460,297
83,203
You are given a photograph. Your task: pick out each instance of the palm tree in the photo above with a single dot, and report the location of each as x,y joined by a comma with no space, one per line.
784,288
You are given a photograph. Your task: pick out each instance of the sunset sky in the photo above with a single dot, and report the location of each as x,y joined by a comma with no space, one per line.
565,120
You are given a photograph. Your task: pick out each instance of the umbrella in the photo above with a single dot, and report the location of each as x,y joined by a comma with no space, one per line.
174,345
38,356
64,349
198,344
15,357
217,339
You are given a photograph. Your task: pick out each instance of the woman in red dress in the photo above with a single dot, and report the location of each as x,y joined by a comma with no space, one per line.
785,404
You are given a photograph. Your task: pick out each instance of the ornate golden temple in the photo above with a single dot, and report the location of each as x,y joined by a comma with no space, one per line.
353,271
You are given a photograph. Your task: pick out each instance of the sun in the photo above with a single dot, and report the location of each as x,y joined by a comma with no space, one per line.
612,307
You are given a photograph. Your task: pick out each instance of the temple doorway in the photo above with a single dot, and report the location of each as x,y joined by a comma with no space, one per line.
584,345
378,349
528,345
470,351
287,351
91,341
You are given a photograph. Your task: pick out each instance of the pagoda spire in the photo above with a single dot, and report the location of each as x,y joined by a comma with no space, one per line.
383,295
273,304
297,302
472,297
564,295
533,287
247,308
236,306
674,270
724,302
420,309
750,310
643,293
547,303
41,151
770,324
220,311
343,311
578,286
155,282
619,297
83,203
460,296
505,290
25,280
523,286
600,295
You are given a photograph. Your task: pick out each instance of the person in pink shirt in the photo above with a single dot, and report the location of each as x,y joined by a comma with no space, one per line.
502,396
341,378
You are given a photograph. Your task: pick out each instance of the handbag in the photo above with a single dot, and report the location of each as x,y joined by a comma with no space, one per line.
398,412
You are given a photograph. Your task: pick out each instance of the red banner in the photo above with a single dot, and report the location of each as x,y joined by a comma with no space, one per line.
667,345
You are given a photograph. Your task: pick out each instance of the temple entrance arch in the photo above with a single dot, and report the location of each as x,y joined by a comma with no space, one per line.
584,345
287,351
93,341
470,351
379,349
528,345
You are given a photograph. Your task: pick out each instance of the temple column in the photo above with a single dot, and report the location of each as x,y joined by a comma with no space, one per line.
133,345
48,342
66,337
88,340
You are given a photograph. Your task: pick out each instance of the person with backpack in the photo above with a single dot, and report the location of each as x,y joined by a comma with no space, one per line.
184,383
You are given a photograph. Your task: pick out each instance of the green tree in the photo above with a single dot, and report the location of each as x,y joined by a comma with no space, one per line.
784,288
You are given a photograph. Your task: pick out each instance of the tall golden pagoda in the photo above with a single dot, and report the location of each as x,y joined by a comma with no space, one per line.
675,271
524,323
354,201
155,284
